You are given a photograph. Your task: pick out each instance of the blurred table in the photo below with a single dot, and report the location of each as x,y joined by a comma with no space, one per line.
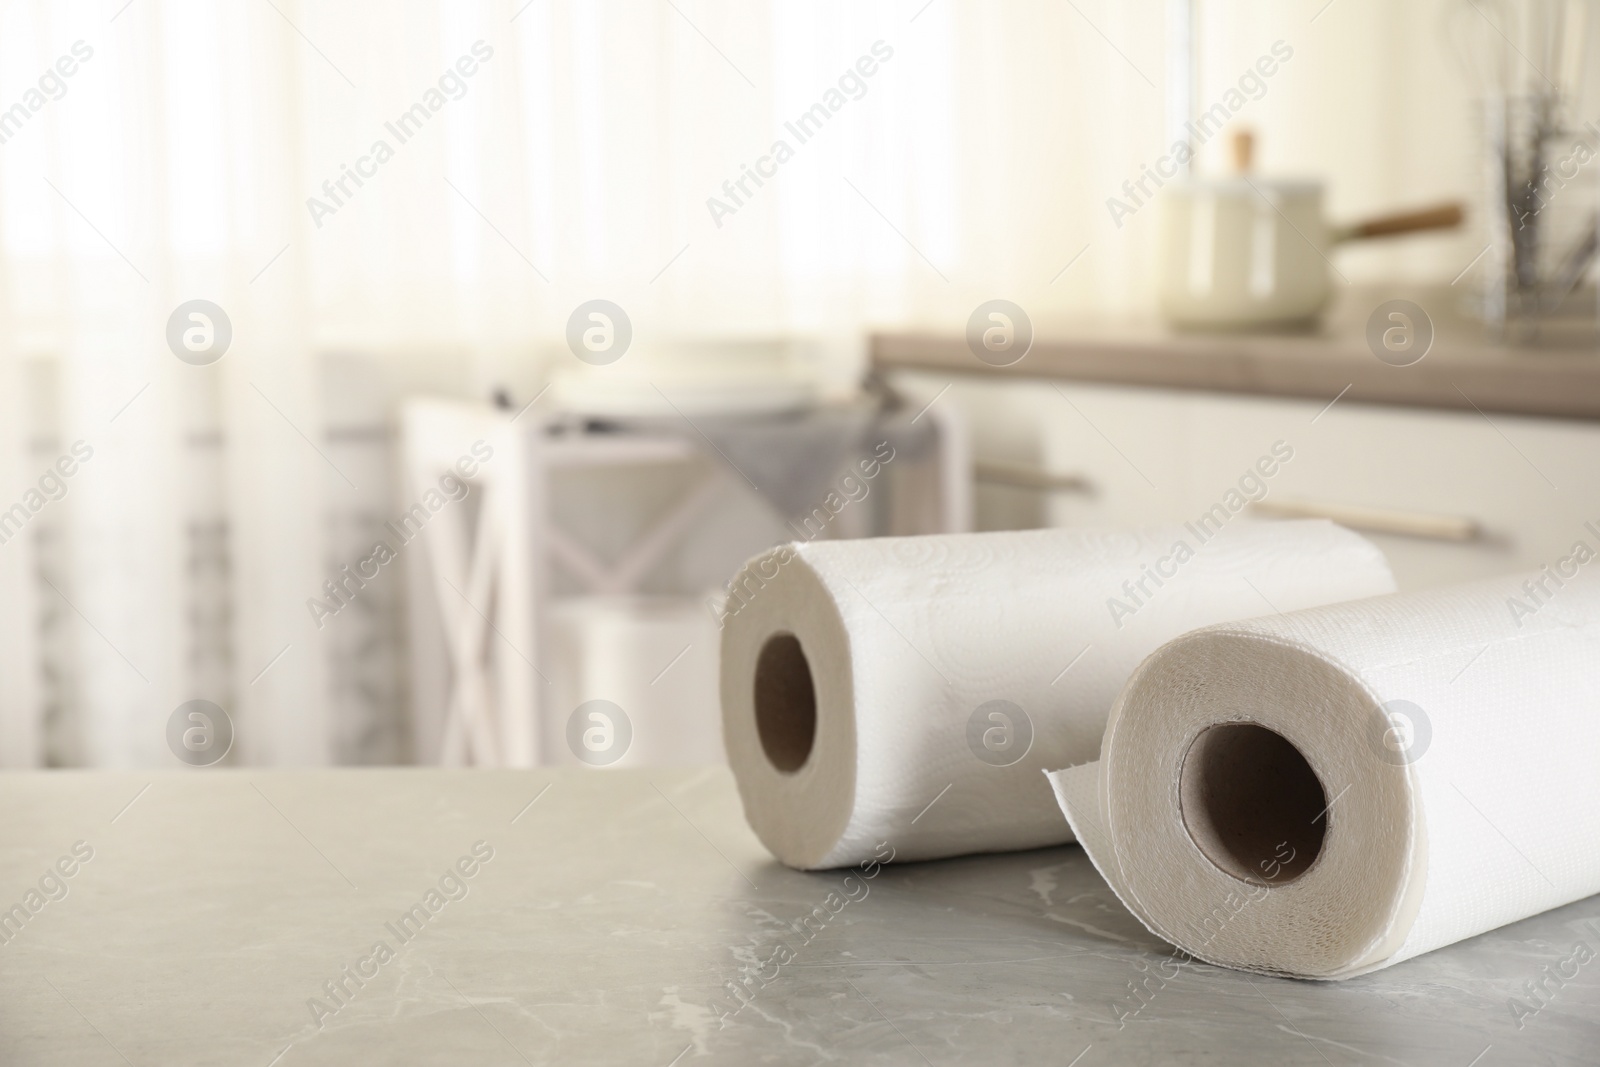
482,591
220,907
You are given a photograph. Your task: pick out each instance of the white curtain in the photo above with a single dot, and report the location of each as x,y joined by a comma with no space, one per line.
534,155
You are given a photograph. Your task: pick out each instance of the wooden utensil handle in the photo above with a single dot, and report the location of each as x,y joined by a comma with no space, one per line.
1442,217
1244,150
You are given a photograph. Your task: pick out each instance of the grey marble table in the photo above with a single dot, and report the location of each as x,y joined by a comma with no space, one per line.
607,917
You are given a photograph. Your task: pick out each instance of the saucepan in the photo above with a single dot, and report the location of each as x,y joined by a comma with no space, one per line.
1244,252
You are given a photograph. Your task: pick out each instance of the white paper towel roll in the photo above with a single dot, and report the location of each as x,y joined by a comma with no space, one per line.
911,689
1328,792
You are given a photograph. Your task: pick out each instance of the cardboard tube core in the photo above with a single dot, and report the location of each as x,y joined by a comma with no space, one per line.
785,703
1252,804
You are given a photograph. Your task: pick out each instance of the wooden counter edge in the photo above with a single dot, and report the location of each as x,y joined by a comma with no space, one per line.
1553,385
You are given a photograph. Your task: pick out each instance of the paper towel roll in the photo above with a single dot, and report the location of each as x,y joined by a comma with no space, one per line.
1327,792
911,689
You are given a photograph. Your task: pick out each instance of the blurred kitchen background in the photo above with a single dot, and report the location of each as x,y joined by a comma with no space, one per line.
423,328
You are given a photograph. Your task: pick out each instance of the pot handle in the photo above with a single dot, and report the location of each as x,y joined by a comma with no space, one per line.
1439,217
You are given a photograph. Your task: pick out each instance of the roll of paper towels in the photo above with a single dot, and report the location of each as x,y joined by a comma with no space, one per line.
1331,791
909,690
